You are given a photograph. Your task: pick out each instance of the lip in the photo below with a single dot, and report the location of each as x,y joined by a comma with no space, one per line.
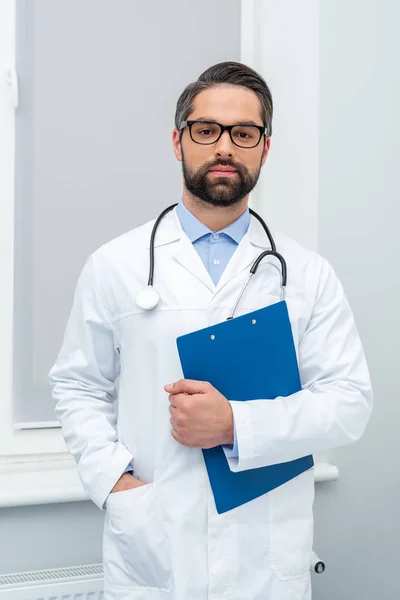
223,171
222,168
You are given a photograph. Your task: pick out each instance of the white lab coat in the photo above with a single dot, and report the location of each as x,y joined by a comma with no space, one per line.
165,540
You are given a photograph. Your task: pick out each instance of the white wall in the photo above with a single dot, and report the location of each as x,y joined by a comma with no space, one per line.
333,179
283,47
357,519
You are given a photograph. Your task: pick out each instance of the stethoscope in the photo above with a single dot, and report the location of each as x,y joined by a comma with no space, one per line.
149,297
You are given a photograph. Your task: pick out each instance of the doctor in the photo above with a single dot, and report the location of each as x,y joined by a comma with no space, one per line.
140,459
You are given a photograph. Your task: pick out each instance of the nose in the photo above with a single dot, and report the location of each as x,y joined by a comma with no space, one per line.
224,147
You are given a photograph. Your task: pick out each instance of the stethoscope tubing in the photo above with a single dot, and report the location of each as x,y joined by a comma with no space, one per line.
272,252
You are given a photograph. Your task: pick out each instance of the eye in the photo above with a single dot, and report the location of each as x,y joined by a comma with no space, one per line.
244,134
205,132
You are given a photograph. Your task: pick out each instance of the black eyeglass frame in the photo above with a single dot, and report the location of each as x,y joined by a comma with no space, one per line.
228,128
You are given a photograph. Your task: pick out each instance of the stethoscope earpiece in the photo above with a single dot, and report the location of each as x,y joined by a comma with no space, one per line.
148,298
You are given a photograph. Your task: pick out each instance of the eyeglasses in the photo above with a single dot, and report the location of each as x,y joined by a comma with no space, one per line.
209,132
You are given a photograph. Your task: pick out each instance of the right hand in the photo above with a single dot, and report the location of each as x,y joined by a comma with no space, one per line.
126,482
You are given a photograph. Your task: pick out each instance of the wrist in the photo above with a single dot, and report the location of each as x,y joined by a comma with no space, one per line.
229,431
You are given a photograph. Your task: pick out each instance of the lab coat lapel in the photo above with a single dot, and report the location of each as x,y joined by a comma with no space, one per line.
250,246
183,251
171,234
189,258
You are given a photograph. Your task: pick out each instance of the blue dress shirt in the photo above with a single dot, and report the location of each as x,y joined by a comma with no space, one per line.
215,249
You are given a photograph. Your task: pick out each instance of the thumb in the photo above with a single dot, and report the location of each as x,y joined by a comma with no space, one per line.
187,386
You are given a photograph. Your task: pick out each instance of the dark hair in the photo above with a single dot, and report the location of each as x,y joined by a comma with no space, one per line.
233,73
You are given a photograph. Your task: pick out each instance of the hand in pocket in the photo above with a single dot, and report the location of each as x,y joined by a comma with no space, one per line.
126,482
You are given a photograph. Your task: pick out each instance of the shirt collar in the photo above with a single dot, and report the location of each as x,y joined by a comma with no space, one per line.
195,229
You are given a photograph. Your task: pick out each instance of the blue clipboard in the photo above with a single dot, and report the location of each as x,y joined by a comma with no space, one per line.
251,357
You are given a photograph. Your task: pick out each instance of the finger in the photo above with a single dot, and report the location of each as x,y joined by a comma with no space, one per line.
175,435
182,402
175,413
173,400
181,440
187,386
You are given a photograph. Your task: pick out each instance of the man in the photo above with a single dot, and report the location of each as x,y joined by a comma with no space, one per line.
162,536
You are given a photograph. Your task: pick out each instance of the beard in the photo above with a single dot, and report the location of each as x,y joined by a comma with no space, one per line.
219,191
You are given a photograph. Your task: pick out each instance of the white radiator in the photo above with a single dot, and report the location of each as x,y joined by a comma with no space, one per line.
72,583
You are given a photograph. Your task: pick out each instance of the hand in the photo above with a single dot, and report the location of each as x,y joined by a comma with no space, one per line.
126,482
201,416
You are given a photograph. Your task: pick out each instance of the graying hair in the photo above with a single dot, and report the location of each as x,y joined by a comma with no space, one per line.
233,73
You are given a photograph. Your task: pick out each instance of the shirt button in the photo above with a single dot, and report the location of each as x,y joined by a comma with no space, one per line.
216,236
216,261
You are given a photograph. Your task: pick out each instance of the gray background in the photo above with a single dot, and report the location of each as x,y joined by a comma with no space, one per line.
356,519
99,84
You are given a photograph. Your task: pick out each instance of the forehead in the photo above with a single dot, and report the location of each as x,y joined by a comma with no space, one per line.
227,104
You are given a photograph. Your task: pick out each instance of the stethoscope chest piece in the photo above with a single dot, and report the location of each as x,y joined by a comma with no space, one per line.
148,298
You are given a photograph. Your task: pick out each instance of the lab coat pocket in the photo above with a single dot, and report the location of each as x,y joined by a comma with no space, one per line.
135,548
291,527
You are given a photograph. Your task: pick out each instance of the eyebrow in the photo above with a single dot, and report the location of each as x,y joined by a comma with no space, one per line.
212,120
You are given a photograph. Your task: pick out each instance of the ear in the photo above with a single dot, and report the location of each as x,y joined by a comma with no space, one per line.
176,142
267,146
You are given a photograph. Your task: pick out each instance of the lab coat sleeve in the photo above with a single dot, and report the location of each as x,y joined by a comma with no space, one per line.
83,381
335,402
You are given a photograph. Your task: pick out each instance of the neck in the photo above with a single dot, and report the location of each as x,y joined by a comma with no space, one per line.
214,217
